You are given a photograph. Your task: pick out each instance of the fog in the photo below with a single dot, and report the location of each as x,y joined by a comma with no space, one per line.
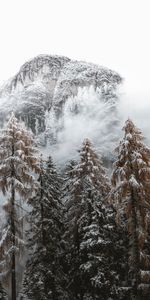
135,105
99,121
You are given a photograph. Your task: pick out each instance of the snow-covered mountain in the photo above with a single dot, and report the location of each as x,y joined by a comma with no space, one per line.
47,87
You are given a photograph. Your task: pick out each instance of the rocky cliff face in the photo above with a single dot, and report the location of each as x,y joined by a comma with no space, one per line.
43,87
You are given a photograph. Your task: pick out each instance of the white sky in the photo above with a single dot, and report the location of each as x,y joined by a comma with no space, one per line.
113,33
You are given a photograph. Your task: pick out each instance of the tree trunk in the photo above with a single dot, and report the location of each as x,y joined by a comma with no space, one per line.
13,231
42,214
43,229
135,256
13,262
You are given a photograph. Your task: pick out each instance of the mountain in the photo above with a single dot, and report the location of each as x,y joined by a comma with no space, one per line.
46,85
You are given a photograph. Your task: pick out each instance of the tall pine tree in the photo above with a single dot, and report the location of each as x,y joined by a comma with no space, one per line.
17,161
89,229
131,197
43,273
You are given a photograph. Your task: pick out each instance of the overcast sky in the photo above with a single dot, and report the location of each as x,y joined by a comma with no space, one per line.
113,33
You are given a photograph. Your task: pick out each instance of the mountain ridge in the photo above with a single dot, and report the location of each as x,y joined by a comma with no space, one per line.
44,85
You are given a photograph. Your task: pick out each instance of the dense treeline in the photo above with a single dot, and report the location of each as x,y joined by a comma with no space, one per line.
75,234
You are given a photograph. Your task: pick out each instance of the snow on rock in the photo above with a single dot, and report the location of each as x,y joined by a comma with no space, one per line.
51,93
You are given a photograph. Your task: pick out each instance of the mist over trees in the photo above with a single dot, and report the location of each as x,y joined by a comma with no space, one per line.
78,234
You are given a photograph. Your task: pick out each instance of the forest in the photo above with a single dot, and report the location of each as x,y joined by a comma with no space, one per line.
74,233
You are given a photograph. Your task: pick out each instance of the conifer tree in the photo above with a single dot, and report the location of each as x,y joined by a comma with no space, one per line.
43,273
17,160
90,249
131,197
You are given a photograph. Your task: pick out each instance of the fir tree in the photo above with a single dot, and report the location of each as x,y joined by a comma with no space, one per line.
43,273
131,197
88,231
17,160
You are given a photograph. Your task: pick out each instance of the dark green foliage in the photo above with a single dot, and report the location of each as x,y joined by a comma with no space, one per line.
43,270
90,232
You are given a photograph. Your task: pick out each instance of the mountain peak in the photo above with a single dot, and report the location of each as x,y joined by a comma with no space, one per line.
46,82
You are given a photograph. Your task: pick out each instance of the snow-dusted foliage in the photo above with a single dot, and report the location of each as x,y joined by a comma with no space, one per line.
76,249
80,245
43,275
131,197
90,170
17,158
17,161
89,227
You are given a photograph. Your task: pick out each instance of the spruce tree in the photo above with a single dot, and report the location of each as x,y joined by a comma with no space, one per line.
89,229
131,197
17,161
43,273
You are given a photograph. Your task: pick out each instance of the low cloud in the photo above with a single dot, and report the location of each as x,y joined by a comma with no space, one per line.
85,115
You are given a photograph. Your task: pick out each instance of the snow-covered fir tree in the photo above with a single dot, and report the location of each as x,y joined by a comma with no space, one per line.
17,161
43,275
131,197
90,228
